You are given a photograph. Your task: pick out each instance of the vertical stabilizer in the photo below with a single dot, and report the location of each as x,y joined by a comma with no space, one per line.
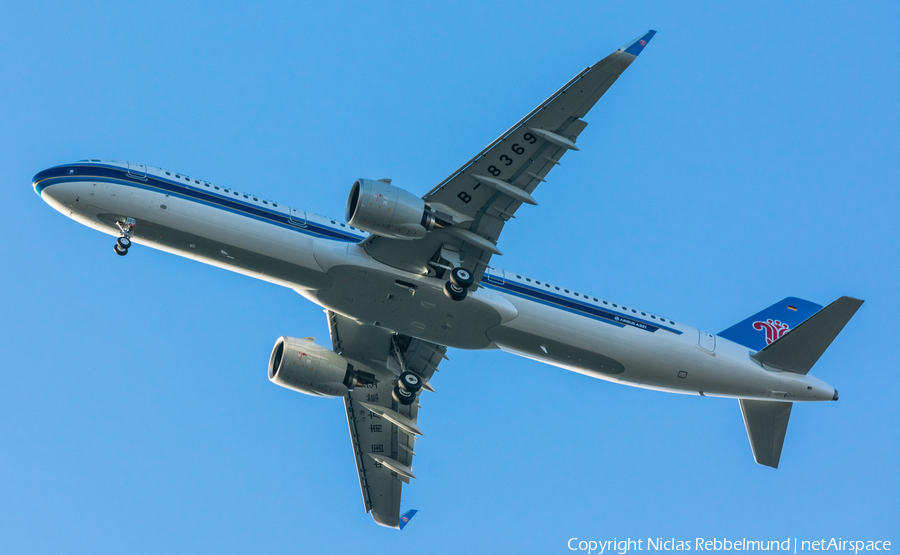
766,423
765,327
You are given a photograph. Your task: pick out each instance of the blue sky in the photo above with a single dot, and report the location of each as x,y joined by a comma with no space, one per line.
749,154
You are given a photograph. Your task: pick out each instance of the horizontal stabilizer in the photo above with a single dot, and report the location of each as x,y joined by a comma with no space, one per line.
766,423
799,349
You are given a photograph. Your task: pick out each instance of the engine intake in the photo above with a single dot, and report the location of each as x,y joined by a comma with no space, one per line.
303,366
382,209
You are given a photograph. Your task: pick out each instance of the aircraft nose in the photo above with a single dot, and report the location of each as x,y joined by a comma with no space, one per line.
59,192
835,398
41,179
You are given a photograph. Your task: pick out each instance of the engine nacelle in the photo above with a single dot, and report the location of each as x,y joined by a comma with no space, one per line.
303,366
382,209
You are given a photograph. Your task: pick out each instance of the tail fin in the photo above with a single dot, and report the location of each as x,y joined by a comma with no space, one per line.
766,423
764,328
406,517
799,350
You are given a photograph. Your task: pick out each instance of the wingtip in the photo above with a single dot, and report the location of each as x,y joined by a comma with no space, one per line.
637,45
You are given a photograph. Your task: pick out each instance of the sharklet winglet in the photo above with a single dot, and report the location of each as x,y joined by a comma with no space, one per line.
637,45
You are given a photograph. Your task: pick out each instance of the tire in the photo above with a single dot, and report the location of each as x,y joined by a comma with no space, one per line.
124,242
454,291
462,277
410,382
403,396
119,250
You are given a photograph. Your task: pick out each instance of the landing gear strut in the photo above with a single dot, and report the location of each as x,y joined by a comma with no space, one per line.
123,243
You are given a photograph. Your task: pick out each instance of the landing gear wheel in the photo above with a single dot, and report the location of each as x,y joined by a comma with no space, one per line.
410,382
454,291
403,396
462,277
119,250
124,243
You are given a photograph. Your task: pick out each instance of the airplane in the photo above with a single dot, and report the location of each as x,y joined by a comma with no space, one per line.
403,278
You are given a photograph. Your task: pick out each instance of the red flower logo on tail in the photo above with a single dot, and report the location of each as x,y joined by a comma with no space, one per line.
773,328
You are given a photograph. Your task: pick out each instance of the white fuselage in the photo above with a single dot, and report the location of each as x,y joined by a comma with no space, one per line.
320,258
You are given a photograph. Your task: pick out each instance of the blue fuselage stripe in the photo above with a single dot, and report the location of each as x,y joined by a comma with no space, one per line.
573,306
120,176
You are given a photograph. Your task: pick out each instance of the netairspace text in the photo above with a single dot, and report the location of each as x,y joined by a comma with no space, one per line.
790,545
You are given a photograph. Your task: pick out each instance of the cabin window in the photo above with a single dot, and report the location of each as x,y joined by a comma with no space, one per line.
256,199
245,196
237,194
216,188
643,313
197,182
528,280
615,305
167,173
275,205
265,202
604,302
518,276
595,300
652,316
557,288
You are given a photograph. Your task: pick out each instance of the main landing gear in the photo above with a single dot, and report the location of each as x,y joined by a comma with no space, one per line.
458,286
123,243
407,386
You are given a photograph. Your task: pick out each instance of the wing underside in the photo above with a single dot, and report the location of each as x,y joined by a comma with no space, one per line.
382,431
480,197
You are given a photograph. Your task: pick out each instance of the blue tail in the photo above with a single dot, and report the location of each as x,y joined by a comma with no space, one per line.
406,517
763,328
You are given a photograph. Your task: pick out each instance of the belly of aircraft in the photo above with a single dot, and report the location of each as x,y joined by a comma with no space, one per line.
414,307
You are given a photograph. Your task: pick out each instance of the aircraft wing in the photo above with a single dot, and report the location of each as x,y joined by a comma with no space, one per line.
382,432
481,196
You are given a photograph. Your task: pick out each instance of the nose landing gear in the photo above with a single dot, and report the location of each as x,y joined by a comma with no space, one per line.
123,243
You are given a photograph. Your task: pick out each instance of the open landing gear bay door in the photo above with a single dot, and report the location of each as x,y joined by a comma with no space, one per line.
382,431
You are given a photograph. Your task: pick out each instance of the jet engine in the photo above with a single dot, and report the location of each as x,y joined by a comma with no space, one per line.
303,366
380,208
